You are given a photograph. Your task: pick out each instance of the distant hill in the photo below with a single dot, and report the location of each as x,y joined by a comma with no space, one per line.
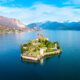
11,23
57,25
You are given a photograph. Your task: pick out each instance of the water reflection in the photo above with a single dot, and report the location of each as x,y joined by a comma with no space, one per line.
41,61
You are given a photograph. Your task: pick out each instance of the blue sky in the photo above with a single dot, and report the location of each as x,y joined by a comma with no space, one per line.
29,11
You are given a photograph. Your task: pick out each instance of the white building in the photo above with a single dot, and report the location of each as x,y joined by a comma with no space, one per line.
41,51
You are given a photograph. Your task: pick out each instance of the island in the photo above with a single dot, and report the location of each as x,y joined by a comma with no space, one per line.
39,48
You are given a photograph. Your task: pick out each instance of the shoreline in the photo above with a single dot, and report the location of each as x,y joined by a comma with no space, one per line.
23,56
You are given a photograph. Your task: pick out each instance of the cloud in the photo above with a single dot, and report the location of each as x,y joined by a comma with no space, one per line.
41,12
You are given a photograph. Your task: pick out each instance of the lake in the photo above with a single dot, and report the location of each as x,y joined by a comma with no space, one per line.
64,67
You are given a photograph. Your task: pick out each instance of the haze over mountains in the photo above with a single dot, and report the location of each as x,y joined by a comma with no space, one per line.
11,23
57,25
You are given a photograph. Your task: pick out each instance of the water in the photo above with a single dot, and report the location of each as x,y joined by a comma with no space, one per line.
65,67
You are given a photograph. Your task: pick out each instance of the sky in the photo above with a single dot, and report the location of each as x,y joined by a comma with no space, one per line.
30,11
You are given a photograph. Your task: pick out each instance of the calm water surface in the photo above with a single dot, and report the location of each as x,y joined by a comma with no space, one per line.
65,67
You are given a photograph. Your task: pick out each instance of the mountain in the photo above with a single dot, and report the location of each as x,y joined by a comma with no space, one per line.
32,25
57,25
11,23
72,25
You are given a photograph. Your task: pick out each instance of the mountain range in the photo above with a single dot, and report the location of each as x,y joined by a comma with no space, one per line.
11,23
56,25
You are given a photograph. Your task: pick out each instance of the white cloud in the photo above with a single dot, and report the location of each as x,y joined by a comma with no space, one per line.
41,12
